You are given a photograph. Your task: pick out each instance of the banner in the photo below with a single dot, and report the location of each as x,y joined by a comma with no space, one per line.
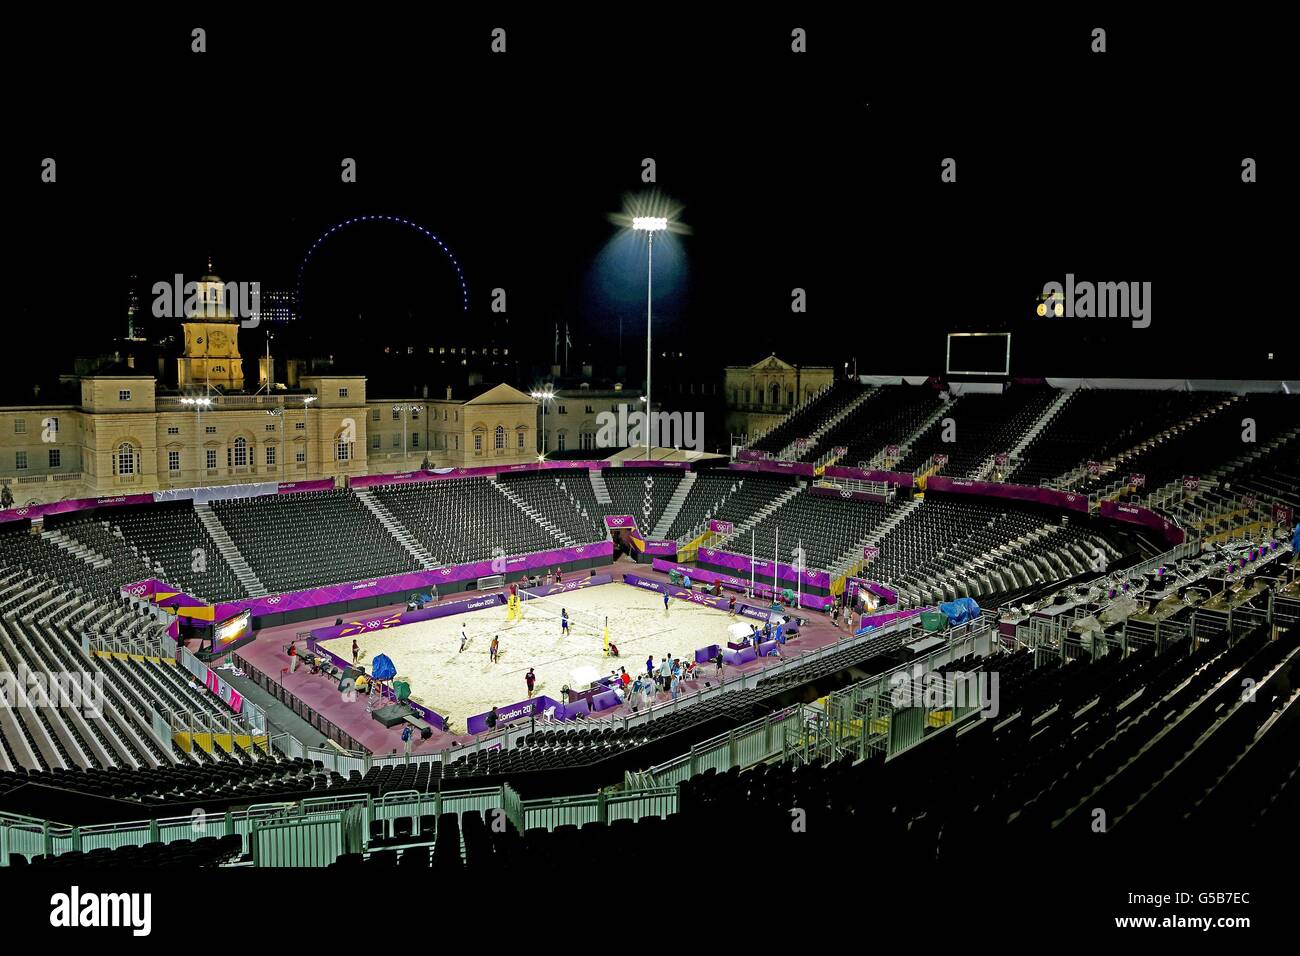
679,465
76,504
871,551
733,583
315,484
785,572
440,474
413,580
721,527
1135,514
820,491
1068,500
620,521
902,479
804,469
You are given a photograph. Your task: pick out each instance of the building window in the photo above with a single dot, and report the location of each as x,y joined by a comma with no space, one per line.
125,459
415,439
123,394
397,441
20,426
212,458
20,460
300,457
173,461
241,453
53,425
270,427
300,426
561,410
343,449
374,415
270,455
343,392
209,429
589,410
478,444
173,430
374,441
55,457
415,413
588,440
397,413
559,441
500,438
521,438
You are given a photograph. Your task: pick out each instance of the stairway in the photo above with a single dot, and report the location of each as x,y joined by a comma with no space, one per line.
943,411
66,542
228,550
398,530
1016,451
550,527
803,406
854,554
1080,475
598,487
756,517
788,453
674,507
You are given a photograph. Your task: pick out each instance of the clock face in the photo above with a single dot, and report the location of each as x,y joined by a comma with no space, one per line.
217,340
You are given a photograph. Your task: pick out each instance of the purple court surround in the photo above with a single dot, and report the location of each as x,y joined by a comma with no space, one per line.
733,583
824,492
785,572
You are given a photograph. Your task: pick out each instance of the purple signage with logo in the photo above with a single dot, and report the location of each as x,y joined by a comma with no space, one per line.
845,494
1068,500
315,484
804,469
1135,514
77,504
721,527
440,474
901,478
413,581
680,465
751,454
785,572
620,521
871,551
661,548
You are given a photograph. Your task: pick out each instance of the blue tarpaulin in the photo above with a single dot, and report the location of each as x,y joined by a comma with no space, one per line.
960,611
381,668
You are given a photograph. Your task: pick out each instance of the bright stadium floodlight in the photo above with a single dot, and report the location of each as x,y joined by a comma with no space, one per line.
542,396
665,220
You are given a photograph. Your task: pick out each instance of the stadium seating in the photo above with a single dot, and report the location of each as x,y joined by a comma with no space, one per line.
299,541
805,420
640,492
984,424
726,496
886,418
165,537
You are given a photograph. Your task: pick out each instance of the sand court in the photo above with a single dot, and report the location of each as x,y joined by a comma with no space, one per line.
462,683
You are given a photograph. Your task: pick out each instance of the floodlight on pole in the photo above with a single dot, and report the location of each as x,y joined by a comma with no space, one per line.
649,225
543,396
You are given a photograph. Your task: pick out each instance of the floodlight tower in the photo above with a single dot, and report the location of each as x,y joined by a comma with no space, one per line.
649,225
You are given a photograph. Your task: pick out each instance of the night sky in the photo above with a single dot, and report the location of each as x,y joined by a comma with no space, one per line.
819,172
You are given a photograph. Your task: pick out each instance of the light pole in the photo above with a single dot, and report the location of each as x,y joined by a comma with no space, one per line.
405,409
649,225
306,435
543,396
199,402
278,414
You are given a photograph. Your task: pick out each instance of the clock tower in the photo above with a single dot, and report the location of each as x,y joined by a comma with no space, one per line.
211,328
